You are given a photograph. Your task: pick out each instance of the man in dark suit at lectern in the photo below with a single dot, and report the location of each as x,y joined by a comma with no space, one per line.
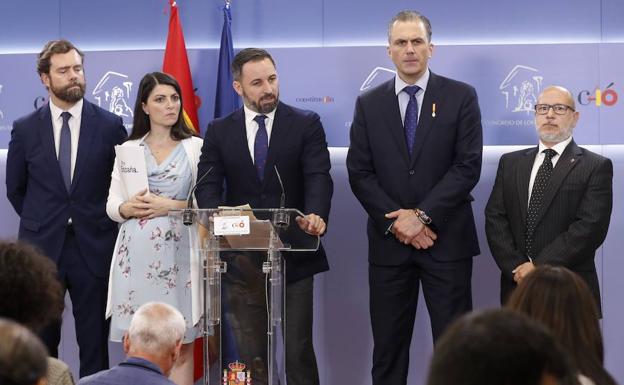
414,157
58,173
550,204
244,149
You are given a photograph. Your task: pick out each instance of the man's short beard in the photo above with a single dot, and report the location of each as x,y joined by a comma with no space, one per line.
69,94
555,138
265,108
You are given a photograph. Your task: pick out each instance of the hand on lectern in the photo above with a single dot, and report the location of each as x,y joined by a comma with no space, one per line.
312,224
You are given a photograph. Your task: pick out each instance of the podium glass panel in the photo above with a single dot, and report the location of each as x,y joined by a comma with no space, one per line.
243,287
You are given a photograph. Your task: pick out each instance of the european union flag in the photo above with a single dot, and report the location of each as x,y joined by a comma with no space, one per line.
226,99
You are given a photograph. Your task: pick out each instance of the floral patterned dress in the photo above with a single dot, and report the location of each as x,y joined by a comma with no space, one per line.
152,258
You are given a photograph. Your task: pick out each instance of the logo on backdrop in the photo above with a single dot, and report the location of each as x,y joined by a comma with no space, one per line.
377,76
521,87
112,92
315,99
606,96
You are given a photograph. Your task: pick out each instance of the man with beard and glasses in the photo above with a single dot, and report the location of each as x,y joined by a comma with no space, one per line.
551,204
243,150
58,174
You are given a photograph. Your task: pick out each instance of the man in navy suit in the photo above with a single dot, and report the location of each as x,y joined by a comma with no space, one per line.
551,209
235,147
414,157
59,164
152,344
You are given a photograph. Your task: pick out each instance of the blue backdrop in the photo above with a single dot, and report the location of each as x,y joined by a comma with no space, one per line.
327,52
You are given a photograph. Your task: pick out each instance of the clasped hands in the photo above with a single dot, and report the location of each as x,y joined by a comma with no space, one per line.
408,229
147,206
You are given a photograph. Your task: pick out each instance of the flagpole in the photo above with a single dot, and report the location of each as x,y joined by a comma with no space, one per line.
226,99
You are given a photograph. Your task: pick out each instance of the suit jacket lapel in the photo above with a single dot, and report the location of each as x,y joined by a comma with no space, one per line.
279,133
46,133
88,129
571,156
426,120
392,116
523,176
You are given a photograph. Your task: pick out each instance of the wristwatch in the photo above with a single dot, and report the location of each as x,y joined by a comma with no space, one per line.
422,216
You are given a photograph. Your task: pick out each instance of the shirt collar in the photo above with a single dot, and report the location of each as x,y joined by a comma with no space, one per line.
399,84
559,147
250,115
137,361
75,110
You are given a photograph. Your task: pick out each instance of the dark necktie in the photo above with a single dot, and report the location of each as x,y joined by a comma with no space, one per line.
261,146
537,194
64,156
411,117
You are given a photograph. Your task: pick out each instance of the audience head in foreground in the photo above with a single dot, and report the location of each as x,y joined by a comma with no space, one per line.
23,358
562,301
498,347
30,292
152,345
156,333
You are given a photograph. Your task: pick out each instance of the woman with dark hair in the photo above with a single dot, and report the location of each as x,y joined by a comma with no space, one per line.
23,358
561,300
31,295
152,258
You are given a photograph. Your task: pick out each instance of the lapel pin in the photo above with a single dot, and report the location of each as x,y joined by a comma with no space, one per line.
572,160
433,110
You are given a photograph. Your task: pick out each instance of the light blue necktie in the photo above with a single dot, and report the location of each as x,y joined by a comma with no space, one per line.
261,146
411,117
64,156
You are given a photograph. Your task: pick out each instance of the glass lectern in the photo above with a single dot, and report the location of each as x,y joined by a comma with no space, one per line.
243,285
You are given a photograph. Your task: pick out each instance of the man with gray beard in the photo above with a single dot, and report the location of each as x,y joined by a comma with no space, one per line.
58,174
550,204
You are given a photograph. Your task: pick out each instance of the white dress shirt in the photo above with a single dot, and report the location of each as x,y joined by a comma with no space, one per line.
74,129
539,159
251,128
403,96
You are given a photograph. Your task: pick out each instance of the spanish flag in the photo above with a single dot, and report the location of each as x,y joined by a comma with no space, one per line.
176,64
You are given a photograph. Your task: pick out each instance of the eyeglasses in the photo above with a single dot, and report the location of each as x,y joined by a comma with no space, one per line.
560,109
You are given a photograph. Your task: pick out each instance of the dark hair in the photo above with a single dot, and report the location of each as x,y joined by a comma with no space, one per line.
562,301
180,130
51,48
30,292
498,347
23,358
409,15
246,55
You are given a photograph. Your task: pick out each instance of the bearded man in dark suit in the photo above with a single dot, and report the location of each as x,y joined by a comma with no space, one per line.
244,150
58,174
550,204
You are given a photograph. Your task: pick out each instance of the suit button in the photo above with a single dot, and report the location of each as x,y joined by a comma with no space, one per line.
412,172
